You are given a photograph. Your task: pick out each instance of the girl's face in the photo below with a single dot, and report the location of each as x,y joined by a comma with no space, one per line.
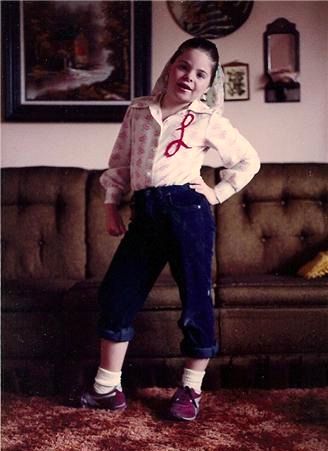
189,76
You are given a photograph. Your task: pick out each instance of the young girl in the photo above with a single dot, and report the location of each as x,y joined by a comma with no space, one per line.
158,154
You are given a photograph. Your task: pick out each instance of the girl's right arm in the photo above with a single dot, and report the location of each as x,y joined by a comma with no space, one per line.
115,224
116,179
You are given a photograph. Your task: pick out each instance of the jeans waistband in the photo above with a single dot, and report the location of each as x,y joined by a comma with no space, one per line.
162,191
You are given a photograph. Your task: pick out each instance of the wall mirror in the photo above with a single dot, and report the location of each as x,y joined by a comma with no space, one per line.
281,62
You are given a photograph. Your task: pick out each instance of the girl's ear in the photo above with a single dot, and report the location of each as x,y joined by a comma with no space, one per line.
204,96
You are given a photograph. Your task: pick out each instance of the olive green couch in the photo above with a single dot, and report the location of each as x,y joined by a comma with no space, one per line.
272,324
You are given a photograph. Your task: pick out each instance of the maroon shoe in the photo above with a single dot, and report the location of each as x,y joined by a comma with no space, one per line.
185,404
113,400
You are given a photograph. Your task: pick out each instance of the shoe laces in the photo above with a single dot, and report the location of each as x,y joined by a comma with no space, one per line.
185,395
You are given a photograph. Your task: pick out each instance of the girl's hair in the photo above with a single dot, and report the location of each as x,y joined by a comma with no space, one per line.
200,44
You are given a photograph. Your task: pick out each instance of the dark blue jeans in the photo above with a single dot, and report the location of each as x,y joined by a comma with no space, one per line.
171,224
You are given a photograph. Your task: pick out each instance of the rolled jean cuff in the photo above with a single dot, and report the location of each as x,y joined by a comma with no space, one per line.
199,353
125,334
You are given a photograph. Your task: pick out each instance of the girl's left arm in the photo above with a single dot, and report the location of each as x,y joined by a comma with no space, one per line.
238,157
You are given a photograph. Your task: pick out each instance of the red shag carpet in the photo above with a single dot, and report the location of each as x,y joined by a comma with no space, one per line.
230,420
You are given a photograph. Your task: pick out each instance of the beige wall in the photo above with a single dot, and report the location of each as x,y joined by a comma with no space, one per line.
280,132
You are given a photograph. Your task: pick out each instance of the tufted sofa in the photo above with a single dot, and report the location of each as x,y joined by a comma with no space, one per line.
272,325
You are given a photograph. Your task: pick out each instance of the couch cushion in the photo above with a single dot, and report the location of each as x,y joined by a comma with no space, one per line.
269,290
40,295
261,330
101,246
83,296
156,329
156,334
276,223
43,223
31,335
31,325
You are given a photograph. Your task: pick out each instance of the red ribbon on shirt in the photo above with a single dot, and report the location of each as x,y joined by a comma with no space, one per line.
178,143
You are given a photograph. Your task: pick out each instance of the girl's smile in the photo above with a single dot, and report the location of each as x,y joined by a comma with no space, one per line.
183,86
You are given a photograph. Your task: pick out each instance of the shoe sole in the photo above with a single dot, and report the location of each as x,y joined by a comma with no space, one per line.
176,417
85,405
183,419
88,406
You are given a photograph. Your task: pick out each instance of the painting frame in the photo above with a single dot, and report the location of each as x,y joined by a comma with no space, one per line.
14,110
236,81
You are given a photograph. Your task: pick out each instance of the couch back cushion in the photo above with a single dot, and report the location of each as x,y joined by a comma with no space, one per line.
43,223
276,223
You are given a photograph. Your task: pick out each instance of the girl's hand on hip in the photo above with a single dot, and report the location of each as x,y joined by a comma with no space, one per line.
201,187
115,225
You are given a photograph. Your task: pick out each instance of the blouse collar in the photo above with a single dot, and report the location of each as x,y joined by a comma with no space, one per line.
197,106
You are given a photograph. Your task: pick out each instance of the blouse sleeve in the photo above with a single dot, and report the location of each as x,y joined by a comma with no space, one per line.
116,179
238,157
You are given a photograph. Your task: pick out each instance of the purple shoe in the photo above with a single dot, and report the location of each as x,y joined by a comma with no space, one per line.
185,404
113,400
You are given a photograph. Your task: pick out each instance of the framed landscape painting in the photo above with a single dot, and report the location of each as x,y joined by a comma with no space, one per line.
76,61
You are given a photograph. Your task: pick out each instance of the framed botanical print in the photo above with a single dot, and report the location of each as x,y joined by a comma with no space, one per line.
74,61
236,81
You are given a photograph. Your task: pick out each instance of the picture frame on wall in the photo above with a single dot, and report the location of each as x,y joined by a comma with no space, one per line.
210,19
74,61
236,81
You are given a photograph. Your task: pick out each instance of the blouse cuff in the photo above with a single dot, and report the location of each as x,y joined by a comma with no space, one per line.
113,196
223,191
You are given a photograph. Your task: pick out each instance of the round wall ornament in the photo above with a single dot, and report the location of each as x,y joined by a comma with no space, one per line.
210,20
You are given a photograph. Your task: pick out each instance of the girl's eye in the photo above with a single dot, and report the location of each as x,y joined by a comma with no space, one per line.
201,75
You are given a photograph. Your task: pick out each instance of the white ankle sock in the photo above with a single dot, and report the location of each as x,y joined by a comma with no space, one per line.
106,380
193,379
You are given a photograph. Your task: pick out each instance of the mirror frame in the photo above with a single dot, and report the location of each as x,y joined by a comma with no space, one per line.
281,91
281,26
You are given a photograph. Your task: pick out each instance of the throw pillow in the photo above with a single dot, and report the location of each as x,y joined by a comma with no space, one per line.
317,267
